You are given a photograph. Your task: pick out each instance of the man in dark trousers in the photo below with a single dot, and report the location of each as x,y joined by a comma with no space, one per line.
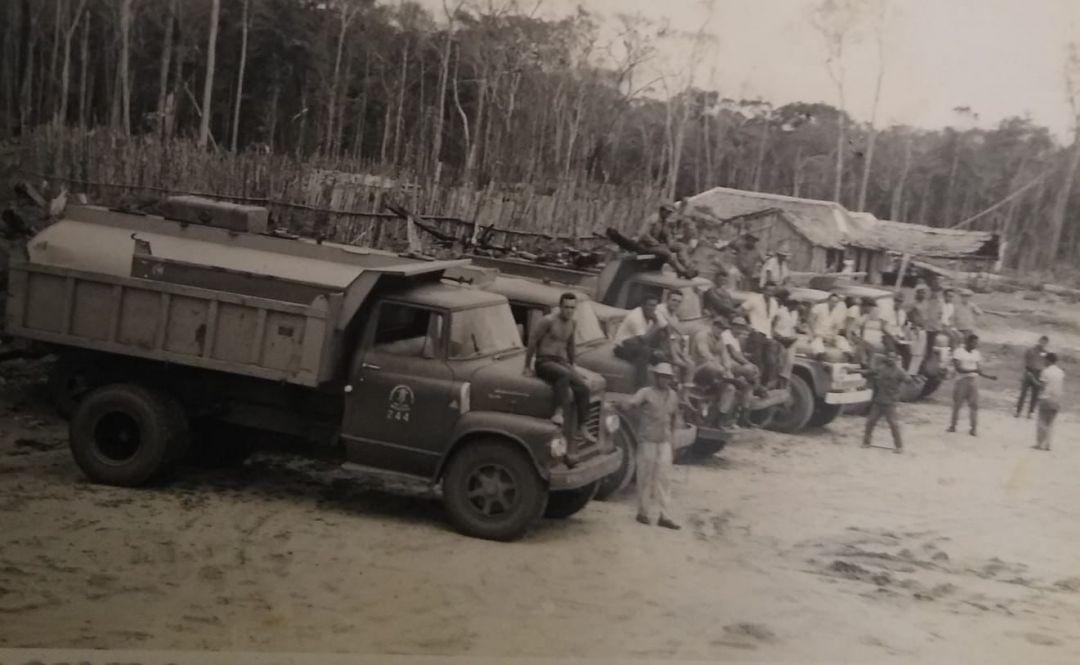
552,345
1034,363
888,380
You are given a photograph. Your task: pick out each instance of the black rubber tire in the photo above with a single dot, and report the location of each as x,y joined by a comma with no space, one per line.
794,415
72,377
493,459
127,435
931,386
824,413
620,478
565,503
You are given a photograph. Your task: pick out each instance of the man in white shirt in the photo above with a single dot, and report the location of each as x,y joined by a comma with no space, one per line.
968,362
827,322
785,333
669,309
948,316
760,310
639,338
775,269
1052,381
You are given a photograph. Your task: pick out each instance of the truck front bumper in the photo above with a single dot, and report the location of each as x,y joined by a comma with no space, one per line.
585,472
849,397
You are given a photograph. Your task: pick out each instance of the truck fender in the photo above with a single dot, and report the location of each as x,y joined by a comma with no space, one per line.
530,434
815,375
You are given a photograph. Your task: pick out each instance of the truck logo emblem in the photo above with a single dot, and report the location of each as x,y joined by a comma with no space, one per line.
401,402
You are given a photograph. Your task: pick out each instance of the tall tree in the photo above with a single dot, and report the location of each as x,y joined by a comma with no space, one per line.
1061,200
208,81
240,73
65,77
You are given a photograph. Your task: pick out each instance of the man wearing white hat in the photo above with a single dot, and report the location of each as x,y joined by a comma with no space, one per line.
656,406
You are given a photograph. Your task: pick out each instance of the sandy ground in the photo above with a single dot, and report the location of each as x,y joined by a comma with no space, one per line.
794,549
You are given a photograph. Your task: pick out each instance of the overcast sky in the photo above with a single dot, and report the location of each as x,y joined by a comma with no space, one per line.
1000,57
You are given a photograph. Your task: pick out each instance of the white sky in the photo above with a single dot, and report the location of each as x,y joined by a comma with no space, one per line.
1000,57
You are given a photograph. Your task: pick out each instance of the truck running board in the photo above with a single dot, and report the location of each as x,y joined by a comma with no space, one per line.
392,480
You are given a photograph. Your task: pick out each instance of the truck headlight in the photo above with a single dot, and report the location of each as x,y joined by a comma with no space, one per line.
611,423
557,446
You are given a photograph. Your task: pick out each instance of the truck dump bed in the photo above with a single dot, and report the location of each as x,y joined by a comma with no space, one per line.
158,289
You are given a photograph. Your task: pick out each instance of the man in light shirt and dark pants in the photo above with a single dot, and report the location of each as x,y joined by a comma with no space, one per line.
1052,381
968,363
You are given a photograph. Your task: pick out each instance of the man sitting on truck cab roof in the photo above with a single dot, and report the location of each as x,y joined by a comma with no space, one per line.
551,343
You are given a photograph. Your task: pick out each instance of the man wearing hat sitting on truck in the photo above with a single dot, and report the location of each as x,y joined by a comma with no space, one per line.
659,238
656,406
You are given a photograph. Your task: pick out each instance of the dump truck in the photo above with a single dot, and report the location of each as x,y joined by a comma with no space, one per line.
931,362
530,300
169,325
817,391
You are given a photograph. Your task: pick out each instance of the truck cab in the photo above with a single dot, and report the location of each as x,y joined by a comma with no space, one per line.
932,366
179,326
529,301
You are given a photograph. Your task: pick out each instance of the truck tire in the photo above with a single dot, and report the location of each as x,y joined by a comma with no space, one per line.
565,503
127,435
931,386
491,490
795,414
70,379
620,478
824,413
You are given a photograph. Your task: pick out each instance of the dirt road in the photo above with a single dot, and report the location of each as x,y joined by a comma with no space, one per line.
794,549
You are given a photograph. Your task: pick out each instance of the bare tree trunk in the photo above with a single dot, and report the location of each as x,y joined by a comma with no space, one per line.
271,131
947,218
440,103
344,19
898,191
759,161
65,78
401,101
125,65
1049,252
208,82
10,59
240,74
474,151
841,140
166,63
26,89
49,88
84,64
361,128
461,110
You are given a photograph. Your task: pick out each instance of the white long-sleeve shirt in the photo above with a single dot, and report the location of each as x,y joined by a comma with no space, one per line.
635,325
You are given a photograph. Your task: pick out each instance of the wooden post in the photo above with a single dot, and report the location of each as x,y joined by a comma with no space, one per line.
903,269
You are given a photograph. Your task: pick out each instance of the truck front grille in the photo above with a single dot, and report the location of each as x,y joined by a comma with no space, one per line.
592,425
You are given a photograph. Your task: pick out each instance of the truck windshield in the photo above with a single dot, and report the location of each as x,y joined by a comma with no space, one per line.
588,324
482,331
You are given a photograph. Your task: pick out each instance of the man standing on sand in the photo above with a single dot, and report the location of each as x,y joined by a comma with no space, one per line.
968,362
1034,364
551,343
888,379
656,406
1052,380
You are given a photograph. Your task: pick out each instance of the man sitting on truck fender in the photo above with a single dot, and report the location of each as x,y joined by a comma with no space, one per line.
639,338
828,321
714,366
741,367
552,345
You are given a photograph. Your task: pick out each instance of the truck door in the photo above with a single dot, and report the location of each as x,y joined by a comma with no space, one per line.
403,398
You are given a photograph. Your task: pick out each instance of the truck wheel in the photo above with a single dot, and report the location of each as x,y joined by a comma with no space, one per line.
793,415
71,378
620,478
491,490
931,386
824,413
126,435
565,503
